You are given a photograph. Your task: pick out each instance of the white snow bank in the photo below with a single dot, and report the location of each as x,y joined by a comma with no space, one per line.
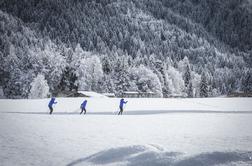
139,155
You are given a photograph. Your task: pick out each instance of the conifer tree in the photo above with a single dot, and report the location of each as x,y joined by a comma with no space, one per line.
203,86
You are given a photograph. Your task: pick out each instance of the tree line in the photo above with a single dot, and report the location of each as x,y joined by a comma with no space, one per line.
116,46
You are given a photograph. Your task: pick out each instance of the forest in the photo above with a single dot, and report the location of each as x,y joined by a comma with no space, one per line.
187,48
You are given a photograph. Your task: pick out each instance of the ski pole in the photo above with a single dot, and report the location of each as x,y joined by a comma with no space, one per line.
115,112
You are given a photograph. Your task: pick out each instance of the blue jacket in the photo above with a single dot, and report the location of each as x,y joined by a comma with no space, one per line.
83,105
52,101
122,102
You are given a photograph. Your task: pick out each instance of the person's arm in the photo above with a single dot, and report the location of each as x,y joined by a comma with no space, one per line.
125,102
55,102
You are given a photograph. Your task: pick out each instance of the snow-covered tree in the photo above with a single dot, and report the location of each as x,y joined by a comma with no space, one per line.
183,64
196,79
121,75
187,76
107,85
52,65
190,90
106,65
247,82
89,74
176,83
185,69
77,56
203,86
146,80
39,88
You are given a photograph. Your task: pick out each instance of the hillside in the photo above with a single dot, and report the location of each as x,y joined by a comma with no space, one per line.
167,47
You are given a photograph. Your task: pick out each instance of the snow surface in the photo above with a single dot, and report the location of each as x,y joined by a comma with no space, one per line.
180,132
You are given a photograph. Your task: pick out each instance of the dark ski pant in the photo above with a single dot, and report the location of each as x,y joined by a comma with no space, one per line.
51,110
121,111
83,109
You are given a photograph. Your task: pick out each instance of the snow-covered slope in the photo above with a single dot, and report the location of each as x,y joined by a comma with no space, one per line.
177,132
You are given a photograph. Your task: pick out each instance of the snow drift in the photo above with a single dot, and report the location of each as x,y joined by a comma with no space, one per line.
150,155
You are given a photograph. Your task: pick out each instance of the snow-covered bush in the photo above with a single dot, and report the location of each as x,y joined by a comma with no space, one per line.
39,88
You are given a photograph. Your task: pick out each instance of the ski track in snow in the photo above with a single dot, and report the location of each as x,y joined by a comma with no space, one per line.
176,132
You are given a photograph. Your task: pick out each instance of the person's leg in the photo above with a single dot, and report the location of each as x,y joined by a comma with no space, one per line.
51,110
85,111
81,111
120,112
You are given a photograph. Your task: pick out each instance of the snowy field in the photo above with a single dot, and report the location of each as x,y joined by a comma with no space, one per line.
176,132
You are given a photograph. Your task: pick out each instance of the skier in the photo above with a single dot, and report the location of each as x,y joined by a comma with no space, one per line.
50,105
83,107
122,102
